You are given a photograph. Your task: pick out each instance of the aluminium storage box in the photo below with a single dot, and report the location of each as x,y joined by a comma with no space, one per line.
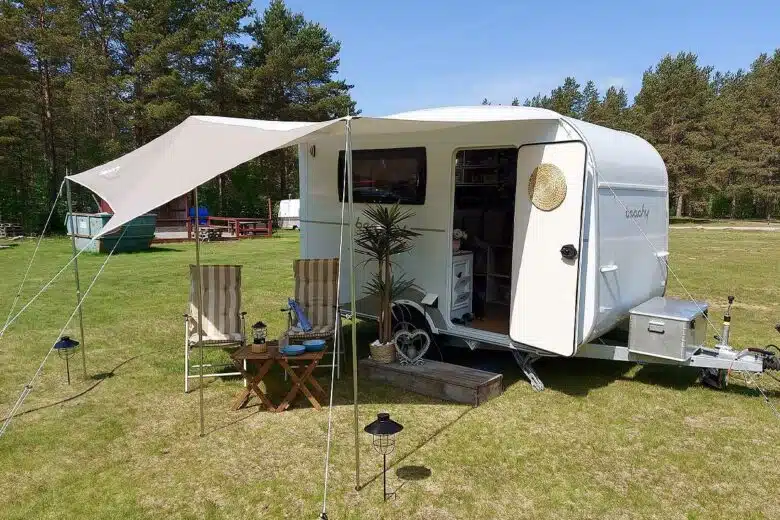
667,328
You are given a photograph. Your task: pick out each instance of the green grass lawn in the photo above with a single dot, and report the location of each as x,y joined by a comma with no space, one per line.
605,440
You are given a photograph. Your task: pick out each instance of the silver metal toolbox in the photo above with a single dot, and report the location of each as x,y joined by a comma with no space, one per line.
667,328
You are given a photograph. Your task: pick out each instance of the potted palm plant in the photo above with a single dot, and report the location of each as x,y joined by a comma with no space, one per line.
380,238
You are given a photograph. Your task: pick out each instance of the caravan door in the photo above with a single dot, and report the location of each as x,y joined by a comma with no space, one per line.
547,244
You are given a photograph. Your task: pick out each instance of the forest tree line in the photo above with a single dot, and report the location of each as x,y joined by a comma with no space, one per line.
85,81
718,132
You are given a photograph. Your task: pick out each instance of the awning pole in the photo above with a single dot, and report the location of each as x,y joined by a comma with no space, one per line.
199,283
76,275
353,306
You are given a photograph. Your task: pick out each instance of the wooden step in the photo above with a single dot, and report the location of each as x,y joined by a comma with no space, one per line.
436,379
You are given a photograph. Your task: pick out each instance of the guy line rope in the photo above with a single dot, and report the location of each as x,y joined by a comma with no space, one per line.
337,345
32,259
29,386
43,289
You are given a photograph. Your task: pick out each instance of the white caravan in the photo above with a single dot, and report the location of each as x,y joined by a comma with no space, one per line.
289,217
565,223
548,280
566,228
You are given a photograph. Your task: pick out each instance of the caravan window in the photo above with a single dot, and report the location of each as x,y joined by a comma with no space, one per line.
386,176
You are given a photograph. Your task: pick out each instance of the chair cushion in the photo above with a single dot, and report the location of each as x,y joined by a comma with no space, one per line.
233,337
317,332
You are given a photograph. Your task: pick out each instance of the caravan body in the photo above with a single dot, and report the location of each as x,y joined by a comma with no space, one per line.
577,266
289,216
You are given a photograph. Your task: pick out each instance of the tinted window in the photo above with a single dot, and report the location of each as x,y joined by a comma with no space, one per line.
386,176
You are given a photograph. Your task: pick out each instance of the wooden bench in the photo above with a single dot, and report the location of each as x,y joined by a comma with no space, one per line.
436,379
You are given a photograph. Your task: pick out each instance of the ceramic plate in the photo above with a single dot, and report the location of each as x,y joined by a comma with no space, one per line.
314,345
293,350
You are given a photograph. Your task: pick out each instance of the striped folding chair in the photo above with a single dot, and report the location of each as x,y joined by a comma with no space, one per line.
223,321
315,296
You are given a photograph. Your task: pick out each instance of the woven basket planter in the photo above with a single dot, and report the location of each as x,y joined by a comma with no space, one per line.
383,353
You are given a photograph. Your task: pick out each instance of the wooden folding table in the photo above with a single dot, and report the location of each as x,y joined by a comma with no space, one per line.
300,377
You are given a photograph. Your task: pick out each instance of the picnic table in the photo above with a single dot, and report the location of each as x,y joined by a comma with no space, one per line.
300,376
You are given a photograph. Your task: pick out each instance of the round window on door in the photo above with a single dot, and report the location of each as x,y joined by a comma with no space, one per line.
547,187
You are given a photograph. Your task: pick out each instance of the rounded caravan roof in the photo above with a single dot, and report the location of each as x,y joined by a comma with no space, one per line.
478,114
620,158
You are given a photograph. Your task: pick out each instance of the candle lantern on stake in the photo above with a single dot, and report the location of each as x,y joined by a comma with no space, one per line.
383,431
66,348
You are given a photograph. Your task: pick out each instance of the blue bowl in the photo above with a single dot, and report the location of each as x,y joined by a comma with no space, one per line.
314,345
293,350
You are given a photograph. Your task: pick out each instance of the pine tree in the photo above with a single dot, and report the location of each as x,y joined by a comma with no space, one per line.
538,101
294,62
96,115
611,112
567,99
218,27
674,99
291,70
744,121
47,32
158,43
591,103
20,146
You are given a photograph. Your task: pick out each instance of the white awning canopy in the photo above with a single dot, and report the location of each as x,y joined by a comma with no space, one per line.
185,157
203,147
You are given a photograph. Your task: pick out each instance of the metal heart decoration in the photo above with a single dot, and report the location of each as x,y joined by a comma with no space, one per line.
411,345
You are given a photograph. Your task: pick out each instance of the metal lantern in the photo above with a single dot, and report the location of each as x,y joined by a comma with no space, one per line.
66,348
383,431
259,333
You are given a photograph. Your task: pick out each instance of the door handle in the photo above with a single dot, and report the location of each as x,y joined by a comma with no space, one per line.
569,252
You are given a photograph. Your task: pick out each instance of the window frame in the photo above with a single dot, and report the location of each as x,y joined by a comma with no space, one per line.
418,152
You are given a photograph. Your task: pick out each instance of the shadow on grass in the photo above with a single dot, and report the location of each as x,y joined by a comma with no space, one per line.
231,423
155,249
413,473
572,377
575,377
98,378
667,376
414,450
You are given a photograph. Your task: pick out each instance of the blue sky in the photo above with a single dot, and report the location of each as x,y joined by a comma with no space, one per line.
404,55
